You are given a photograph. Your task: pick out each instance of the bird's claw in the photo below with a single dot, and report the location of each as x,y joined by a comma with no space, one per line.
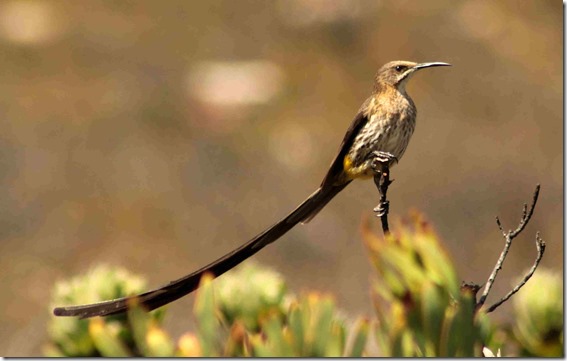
382,208
381,158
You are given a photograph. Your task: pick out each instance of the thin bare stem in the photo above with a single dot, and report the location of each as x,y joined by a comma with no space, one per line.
495,271
540,244
509,236
383,188
381,167
526,216
500,226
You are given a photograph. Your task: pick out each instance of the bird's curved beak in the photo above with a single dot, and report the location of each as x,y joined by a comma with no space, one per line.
429,65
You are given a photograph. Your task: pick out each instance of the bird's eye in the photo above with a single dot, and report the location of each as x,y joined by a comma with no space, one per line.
400,68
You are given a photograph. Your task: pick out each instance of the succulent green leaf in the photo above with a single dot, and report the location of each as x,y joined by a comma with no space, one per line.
106,340
205,313
360,337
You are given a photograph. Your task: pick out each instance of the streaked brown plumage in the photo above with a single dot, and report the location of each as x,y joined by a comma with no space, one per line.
384,123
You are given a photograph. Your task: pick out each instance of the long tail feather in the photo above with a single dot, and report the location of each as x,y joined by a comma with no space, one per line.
176,289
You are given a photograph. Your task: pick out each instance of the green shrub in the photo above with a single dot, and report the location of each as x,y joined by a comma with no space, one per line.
421,310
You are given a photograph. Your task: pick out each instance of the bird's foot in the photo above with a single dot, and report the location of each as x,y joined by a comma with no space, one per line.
381,158
382,208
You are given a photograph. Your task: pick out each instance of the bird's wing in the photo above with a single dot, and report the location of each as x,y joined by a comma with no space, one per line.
336,169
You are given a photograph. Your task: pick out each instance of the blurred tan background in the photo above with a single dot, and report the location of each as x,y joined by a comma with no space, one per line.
160,135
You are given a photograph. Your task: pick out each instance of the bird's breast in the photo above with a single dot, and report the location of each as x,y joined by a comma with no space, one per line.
388,129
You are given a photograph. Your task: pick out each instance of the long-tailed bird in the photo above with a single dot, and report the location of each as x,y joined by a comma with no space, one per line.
381,129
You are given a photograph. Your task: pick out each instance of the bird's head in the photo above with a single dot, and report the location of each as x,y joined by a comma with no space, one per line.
397,73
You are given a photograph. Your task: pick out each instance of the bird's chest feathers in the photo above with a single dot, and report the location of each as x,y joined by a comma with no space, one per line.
391,122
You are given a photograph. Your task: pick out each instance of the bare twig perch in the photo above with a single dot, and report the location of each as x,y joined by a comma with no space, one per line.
382,181
509,236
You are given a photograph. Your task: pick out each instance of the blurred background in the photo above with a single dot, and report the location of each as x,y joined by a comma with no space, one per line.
160,135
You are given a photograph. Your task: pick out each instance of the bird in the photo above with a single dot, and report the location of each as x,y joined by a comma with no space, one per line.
381,130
